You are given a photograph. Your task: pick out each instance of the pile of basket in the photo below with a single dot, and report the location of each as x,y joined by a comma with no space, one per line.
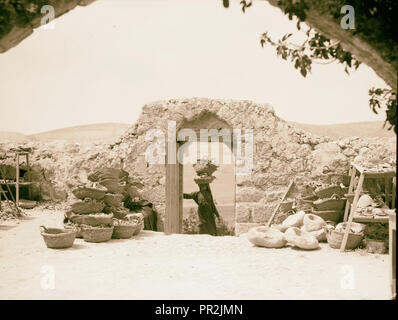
326,202
98,213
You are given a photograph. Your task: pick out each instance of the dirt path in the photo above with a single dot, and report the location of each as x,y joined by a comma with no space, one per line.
156,266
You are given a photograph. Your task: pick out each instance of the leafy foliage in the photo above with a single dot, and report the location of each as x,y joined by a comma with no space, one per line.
374,22
385,97
376,231
18,13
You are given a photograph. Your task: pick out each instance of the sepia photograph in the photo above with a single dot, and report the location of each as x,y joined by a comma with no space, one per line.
198,150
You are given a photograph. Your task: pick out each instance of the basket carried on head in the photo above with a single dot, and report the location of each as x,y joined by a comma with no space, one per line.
56,238
97,234
204,179
204,168
335,238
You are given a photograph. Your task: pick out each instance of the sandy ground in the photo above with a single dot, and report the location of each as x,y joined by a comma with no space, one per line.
157,266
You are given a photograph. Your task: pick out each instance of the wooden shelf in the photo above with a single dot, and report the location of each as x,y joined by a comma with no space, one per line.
370,219
26,183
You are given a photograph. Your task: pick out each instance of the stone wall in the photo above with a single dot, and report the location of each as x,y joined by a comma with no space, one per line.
281,153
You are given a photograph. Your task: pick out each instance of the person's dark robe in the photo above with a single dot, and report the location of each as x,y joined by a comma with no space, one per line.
206,211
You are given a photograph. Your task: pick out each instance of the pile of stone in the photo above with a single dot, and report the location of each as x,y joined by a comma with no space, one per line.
99,204
300,230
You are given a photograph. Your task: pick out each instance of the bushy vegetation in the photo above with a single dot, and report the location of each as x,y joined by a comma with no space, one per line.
18,13
191,225
374,23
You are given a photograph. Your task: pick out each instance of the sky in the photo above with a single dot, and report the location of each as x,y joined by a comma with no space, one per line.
103,62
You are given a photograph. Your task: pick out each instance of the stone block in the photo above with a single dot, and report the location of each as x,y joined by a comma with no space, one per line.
241,228
248,194
262,212
243,212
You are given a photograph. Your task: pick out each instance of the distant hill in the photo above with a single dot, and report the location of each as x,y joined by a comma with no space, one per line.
108,132
359,129
101,132
12,136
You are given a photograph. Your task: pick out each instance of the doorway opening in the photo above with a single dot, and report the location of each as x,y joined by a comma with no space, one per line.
222,188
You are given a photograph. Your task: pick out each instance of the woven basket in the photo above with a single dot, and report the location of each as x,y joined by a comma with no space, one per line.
76,228
310,198
376,246
56,238
97,234
329,215
138,228
113,186
114,199
329,204
124,231
329,191
286,206
335,238
204,168
96,220
87,192
204,179
87,206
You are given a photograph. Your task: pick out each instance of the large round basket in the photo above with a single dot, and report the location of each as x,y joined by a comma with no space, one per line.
329,215
327,192
96,220
138,228
124,231
286,206
74,227
335,238
56,238
329,204
97,234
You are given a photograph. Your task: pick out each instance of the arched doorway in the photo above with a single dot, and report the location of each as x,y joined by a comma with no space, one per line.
206,127
222,188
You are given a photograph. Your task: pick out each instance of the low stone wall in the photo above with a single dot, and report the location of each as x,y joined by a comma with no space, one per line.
281,153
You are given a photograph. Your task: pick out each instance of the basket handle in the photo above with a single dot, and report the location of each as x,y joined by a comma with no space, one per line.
43,229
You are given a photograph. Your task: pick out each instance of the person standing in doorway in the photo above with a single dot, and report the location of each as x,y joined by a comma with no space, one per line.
206,208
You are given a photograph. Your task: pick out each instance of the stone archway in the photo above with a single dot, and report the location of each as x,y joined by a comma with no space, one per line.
281,153
218,130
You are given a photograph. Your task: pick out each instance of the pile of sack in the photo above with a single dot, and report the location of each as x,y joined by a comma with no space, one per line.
301,230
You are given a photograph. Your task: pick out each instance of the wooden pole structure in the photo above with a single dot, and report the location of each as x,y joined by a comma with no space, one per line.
17,182
352,211
280,202
348,202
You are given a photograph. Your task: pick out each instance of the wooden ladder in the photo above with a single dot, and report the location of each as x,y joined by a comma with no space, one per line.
351,208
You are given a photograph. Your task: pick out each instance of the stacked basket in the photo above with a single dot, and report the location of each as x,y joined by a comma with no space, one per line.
326,202
99,213
204,171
